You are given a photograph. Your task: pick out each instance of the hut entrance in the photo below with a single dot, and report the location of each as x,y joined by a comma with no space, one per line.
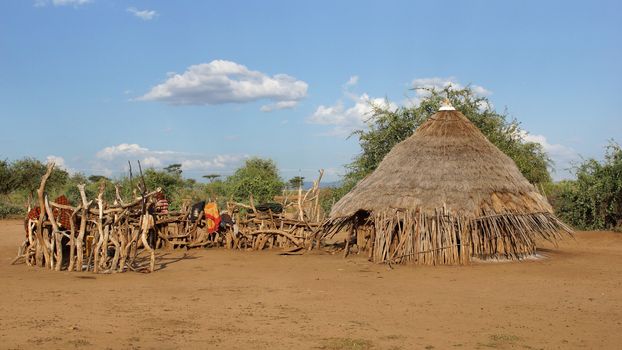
410,237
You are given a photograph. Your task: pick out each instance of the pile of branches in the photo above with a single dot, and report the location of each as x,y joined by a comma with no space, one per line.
291,224
103,237
93,236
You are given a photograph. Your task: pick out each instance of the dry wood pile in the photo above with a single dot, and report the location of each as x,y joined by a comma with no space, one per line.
106,237
294,224
101,237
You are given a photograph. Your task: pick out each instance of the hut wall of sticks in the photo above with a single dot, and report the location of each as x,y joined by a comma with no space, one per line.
445,195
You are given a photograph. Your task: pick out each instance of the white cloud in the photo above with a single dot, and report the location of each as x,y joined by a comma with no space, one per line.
152,162
75,3
98,168
221,81
422,86
123,149
59,162
334,172
347,119
562,156
352,81
116,157
70,2
344,119
279,105
218,162
145,15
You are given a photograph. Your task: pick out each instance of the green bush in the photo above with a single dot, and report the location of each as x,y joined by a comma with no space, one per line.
389,126
594,200
20,179
8,210
259,177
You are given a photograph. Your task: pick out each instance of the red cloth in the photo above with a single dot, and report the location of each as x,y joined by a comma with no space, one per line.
34,213
62,216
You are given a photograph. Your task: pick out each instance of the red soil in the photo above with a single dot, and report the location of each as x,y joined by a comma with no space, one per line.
260,300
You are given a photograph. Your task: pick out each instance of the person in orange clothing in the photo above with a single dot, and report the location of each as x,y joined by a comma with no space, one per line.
212,217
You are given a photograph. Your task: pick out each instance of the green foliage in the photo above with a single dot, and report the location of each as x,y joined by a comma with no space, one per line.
6,177
259,177
296,182
388,127
169,181
26,175
20,179
211,177
70,188
10,210
594,199
174,169
97,178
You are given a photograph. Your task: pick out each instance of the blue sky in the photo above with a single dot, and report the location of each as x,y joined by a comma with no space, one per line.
92,84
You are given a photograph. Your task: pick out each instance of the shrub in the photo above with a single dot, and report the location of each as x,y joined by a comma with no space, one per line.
594,199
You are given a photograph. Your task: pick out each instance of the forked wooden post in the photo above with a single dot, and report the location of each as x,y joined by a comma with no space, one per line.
43,247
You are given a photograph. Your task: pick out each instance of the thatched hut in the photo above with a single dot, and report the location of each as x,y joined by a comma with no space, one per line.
445,195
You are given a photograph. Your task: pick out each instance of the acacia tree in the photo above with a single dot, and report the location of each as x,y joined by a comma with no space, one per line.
174,169
389,126
296,182
211,177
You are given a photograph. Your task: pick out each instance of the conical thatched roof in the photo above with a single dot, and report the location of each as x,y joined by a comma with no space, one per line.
443,196
448,163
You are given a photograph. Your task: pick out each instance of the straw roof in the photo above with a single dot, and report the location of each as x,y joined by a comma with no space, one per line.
447,163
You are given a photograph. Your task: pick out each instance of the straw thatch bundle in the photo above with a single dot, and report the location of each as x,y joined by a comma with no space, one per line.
443,196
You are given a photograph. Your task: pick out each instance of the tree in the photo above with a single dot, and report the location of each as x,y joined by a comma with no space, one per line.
174,169
169,181
594,199
211,177
97,178
27,173
259,177
296,182
6,177
388,126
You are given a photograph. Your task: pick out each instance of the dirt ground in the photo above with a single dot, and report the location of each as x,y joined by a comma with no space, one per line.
219,299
